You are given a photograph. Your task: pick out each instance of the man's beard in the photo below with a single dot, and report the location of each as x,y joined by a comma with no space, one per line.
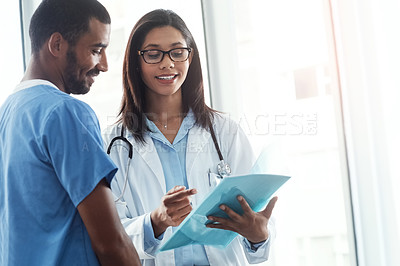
72,83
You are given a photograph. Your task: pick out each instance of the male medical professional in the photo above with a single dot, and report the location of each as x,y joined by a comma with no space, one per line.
56,207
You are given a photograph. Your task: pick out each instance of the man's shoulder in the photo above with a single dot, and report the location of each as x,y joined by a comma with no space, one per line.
47,101
44,90
52,98
40,93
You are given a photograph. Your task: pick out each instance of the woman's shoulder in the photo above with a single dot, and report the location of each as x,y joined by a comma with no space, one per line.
224,122
112,131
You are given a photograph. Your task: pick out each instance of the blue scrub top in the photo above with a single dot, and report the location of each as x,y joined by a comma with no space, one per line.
51,158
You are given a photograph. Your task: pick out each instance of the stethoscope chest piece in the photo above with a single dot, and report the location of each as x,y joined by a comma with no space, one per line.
223,169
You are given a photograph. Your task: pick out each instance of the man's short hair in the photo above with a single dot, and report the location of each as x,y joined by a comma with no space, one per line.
68,17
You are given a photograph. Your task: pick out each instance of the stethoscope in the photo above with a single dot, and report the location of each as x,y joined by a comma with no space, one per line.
130,154
223,168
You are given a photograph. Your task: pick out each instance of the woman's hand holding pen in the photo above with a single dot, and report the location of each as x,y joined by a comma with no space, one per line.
175,206
251,225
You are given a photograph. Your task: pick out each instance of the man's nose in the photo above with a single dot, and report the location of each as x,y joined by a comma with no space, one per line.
103,64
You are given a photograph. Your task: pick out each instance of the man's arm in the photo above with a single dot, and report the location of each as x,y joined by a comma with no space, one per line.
109,240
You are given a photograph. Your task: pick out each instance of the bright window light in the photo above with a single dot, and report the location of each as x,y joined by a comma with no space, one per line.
11,67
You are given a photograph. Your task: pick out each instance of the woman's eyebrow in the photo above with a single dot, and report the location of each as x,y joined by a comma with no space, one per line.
152,45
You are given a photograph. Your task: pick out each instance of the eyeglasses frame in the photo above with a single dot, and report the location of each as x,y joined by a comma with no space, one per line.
141,53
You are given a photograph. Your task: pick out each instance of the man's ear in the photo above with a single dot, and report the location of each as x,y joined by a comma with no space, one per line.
56,44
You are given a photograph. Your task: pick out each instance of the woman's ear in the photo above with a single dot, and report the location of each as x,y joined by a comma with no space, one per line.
56,44
191,57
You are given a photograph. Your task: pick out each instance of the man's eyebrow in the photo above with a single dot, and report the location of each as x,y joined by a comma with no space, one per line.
102,45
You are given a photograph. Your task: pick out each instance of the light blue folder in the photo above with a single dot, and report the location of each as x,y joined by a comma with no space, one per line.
257,189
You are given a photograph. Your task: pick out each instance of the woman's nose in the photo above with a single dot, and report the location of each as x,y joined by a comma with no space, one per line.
166,62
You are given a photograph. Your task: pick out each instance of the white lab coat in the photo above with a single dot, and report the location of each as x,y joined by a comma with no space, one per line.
146,186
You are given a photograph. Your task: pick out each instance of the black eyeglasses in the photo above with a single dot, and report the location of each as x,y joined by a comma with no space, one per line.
155,56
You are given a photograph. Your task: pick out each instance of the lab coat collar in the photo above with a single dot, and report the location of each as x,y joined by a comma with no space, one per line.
147,151
198,138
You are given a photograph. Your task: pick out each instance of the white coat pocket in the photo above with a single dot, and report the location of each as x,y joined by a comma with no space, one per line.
213,179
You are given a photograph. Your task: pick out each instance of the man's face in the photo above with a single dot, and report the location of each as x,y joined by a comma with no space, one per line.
87,58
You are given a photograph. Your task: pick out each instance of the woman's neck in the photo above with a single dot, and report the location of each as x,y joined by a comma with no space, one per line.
164,108
166,112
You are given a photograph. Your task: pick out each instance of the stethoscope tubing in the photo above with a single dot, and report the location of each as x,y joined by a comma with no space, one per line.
223,168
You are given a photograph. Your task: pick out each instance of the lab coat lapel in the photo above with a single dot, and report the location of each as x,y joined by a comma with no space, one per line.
197,140
149,154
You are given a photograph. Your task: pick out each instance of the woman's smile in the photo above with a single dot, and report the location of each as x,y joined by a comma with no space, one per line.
167,78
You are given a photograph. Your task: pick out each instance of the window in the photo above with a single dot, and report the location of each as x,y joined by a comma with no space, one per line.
11,67
285,96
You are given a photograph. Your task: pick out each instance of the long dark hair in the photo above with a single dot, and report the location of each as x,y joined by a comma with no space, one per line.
133,103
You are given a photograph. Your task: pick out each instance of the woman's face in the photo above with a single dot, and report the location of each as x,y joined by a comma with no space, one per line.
164,78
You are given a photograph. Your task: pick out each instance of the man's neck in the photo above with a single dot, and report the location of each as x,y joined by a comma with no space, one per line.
39,69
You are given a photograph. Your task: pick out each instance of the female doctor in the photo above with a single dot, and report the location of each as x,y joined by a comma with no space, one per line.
176,144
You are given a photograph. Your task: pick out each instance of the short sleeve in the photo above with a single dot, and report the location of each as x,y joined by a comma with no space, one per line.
72,140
